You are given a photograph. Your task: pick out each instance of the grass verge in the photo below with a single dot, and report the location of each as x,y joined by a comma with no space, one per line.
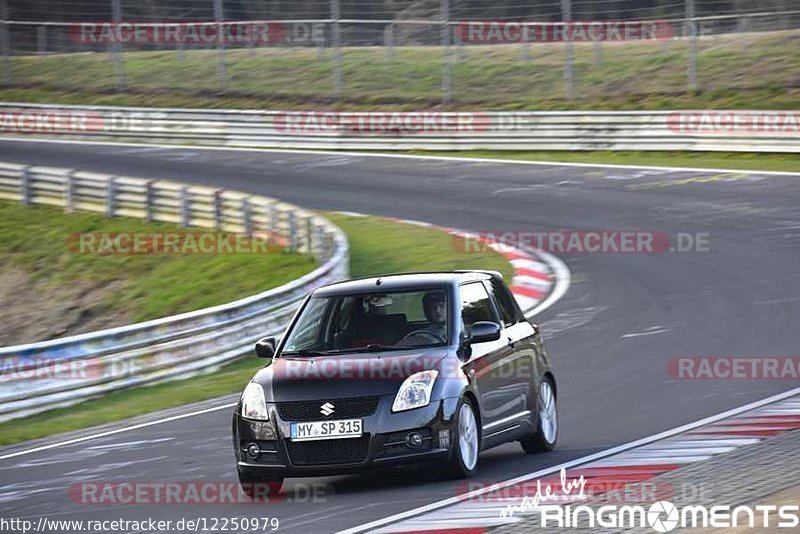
125,288
377,246
756,71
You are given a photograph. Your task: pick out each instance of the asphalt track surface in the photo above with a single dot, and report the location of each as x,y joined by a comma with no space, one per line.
611,336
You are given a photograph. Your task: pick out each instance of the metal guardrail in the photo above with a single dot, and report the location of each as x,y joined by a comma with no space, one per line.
745,131
170,347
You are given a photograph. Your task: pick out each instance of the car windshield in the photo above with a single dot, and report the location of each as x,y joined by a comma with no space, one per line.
370,322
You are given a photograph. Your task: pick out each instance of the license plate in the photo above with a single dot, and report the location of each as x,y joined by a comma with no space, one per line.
342,428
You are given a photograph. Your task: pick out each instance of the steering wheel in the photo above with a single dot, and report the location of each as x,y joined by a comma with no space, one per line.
422,333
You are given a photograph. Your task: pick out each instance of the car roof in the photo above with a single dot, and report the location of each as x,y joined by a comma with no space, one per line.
402,281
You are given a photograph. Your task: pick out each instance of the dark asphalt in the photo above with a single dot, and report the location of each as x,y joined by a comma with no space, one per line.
610,337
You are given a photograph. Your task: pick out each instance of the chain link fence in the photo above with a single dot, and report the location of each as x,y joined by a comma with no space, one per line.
413,52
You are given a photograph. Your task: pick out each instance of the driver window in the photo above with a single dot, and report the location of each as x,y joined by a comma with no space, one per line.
475,304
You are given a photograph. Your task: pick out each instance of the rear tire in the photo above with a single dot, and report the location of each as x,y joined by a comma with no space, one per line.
466,442
546,436
257,488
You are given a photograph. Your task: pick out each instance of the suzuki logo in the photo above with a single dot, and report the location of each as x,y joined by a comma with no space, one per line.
326,409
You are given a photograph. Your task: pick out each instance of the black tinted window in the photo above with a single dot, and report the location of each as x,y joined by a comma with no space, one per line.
475,304
505,301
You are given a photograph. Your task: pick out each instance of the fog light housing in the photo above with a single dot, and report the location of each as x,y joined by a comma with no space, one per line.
444,439
413,440
253,450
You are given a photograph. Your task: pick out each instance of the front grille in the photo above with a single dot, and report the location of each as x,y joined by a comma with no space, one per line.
342,409
328,451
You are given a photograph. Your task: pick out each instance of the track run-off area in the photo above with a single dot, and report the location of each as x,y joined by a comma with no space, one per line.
614,337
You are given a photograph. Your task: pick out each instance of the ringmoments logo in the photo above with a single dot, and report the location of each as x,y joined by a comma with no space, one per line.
664,516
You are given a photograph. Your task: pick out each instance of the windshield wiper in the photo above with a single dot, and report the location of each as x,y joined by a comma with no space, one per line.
307,352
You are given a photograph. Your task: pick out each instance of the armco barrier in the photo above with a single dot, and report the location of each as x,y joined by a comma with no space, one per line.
749,131
176,346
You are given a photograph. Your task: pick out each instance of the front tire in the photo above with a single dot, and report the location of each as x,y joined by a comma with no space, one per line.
259,488
466,442
546,436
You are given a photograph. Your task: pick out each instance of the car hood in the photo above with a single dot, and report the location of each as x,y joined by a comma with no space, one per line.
342,375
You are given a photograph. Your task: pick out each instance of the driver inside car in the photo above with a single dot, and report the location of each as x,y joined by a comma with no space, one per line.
435,308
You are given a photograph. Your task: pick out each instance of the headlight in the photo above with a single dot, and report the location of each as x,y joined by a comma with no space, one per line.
415,391
253,404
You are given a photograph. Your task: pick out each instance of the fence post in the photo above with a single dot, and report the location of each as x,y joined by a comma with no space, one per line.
309,234
111,196
180,49
566,19
148,201
388,42
5,41
185,206
247,219
447,67
524,43
41,40
691,66
218,210
116,48
25,186
222,73
69,193
292,230
273,219
337,49
598,53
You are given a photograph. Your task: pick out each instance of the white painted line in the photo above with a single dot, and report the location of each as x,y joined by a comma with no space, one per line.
115,431
560,286
400,156
596,457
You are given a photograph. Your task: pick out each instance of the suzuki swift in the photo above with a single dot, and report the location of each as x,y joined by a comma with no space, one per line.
399,369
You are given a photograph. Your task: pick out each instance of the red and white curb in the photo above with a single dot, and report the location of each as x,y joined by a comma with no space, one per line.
633,463
539,280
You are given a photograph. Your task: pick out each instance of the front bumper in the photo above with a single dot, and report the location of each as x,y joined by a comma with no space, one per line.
382,442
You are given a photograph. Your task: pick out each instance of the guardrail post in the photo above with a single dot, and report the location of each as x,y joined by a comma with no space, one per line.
25,186
273,220
218,209
185,206
247,219
321,248
292,230
309,234
69,193
148,201
111,196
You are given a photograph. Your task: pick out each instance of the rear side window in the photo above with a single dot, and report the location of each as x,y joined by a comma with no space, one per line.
505,301
475,304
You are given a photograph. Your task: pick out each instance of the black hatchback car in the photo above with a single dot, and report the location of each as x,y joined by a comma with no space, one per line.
397,369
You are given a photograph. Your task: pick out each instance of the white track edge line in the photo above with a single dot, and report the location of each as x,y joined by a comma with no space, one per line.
115,431
407,156
566,465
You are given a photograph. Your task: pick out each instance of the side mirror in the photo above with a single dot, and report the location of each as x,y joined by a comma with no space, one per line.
483,331
265,348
